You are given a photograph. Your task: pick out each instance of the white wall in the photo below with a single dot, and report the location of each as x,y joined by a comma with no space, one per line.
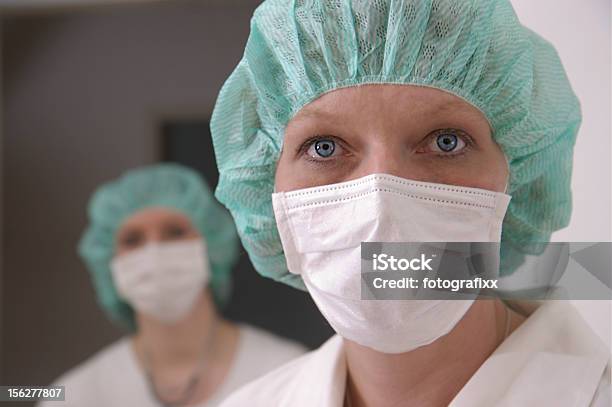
580,30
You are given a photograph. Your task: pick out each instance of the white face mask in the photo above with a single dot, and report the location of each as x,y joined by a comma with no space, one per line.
162,280
321,230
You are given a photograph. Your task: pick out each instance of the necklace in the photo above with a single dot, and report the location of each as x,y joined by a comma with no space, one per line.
192,382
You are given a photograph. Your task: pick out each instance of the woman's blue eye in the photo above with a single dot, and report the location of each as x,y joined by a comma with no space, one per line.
447,142
325,148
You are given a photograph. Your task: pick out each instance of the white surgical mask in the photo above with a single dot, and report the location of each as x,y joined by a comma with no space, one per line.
321,230
162,280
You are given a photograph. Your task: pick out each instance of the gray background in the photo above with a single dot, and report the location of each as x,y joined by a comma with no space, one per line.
85,95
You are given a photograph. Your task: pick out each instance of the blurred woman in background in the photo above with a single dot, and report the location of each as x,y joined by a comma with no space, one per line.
160,251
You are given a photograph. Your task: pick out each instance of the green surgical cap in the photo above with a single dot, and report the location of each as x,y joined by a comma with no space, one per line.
164,185
475,49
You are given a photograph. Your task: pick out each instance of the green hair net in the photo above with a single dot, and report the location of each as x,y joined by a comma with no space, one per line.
163,185
475,49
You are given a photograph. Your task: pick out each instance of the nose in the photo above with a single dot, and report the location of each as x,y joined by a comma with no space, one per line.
154,235
391,158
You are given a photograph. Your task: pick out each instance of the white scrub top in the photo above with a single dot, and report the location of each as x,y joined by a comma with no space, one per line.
552,359
112,377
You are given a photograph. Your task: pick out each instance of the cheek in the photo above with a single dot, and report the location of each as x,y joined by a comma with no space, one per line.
297,174
288,177
500,173
119,250
193,234
489,172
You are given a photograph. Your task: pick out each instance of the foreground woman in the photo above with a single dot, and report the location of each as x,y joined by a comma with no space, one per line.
405,121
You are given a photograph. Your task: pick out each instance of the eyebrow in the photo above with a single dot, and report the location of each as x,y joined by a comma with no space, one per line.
453,104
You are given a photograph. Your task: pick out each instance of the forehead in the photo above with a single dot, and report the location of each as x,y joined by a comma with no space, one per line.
153,216
388,100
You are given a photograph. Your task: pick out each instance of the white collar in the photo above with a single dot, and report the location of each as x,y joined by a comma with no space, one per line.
322,379
553,358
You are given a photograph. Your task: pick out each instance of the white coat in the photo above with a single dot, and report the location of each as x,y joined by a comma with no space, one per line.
114,378
552,359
